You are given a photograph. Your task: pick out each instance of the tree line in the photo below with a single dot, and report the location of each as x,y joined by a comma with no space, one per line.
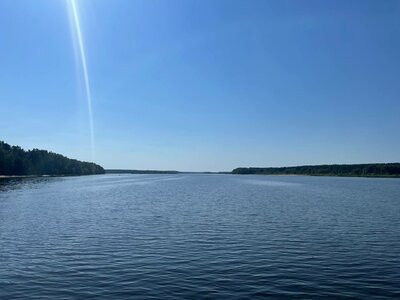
16,161
119,171
379,169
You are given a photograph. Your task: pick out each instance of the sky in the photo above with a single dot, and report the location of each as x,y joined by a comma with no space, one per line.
204,85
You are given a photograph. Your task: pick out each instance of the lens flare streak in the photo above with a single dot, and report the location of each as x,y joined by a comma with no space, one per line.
82,52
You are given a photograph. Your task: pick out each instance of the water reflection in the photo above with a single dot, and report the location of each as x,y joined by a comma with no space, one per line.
199,236
16,183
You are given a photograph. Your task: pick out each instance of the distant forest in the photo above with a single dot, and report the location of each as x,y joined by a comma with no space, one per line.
384,170
16,161
117,171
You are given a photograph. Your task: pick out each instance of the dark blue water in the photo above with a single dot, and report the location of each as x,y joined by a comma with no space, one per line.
199,237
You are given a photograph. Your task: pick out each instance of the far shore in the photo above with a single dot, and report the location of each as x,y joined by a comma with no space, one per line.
325,175
206,173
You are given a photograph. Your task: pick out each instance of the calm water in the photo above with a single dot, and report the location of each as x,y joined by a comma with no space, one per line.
199,237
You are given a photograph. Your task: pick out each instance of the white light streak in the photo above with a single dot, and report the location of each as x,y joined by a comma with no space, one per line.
82,52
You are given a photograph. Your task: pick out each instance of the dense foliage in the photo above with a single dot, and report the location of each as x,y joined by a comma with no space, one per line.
391,169
16,161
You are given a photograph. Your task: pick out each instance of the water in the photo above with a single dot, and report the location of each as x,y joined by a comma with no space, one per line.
199,237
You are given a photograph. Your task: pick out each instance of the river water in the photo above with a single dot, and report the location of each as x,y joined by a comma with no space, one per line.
199,237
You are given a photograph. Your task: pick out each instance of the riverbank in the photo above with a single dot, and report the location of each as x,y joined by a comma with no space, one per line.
15,176
325,175
353,170
34,176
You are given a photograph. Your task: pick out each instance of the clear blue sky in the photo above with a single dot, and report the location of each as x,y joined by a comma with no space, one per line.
205,85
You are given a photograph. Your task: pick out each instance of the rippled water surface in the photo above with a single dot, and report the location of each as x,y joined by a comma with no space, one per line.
199,237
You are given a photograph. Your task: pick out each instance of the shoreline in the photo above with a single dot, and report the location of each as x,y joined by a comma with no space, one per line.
327,175
183,173
35,176
16,176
